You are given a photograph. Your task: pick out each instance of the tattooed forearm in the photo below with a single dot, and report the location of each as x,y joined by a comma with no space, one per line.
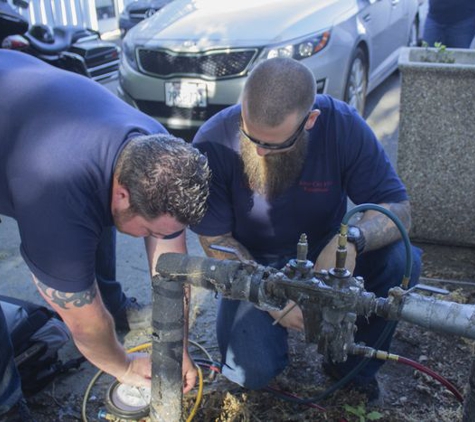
379,230
68,300
226,241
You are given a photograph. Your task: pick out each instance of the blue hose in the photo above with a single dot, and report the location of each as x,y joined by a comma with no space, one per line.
399,225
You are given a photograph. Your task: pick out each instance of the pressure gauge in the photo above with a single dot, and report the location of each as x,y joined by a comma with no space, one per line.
128,402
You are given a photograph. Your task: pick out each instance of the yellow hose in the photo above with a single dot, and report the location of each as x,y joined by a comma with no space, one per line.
199,396
138,348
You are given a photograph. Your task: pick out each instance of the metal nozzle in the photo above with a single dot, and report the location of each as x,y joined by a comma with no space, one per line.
302,248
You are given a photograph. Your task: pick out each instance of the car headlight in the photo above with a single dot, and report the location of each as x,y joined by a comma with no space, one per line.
128,51
298,49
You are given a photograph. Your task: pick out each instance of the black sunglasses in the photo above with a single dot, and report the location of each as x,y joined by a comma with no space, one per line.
284,145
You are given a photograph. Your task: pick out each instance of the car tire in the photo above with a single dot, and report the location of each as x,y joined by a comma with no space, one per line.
357,81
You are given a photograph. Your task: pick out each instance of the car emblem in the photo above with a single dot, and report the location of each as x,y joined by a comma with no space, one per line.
149,12
189,44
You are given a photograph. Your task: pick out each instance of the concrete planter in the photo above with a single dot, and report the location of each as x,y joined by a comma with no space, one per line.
436,148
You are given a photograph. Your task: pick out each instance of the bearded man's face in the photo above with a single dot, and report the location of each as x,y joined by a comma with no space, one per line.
272,174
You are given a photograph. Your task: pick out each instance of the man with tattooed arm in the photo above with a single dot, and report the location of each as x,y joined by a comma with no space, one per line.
284,162
75,161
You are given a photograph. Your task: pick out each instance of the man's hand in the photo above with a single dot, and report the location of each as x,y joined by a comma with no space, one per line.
189,373
327,257
139,371
289,317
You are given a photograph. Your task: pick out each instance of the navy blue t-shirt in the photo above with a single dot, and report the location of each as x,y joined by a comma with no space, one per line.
344,159
60,136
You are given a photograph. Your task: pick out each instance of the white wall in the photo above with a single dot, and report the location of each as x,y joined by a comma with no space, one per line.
72,12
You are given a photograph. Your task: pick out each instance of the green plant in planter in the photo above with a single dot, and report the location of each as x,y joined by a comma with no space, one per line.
440,55
361,413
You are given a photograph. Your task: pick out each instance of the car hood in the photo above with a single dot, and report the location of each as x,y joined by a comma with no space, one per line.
193,25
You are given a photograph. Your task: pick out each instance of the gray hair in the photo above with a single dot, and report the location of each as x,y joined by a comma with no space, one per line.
276,88
164,175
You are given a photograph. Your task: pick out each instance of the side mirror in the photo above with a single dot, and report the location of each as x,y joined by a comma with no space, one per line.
23,4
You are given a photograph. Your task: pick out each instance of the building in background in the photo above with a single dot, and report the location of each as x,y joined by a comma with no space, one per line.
101,15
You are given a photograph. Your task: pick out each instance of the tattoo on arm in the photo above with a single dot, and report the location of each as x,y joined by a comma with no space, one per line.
68,300
227,241
379,230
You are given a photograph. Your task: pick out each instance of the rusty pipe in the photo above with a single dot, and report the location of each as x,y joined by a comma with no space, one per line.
198,271
167,350
429,312
168,325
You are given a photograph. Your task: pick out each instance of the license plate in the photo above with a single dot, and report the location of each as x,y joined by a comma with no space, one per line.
185,94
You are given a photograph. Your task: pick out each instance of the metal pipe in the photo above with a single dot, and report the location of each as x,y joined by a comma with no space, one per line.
437,315
260,285
168,325
198,271
235,280
167,351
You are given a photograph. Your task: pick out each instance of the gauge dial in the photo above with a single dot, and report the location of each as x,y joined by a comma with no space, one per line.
127,401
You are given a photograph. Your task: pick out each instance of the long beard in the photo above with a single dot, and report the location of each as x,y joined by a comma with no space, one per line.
272,174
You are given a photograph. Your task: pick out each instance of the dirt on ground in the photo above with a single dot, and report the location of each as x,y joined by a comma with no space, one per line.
407,394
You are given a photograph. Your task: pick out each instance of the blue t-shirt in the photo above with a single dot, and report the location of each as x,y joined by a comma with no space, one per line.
60,136
344,159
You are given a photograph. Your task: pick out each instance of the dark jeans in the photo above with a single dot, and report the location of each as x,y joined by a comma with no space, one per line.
457,35
112,295
254,351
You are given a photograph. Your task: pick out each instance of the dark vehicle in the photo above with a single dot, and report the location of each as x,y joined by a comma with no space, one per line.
72,48
11,22
137,11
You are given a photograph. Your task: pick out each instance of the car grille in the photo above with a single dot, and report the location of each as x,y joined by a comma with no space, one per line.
212,64
160,109
102,61
97,56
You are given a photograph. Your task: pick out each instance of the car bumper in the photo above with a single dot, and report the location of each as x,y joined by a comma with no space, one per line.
148,94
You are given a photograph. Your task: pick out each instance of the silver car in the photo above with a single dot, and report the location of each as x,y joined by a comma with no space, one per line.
191,59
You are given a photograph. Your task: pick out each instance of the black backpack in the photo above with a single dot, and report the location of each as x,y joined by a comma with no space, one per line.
37,334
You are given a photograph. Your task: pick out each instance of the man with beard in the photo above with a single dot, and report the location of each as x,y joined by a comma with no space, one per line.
76,161
284,163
